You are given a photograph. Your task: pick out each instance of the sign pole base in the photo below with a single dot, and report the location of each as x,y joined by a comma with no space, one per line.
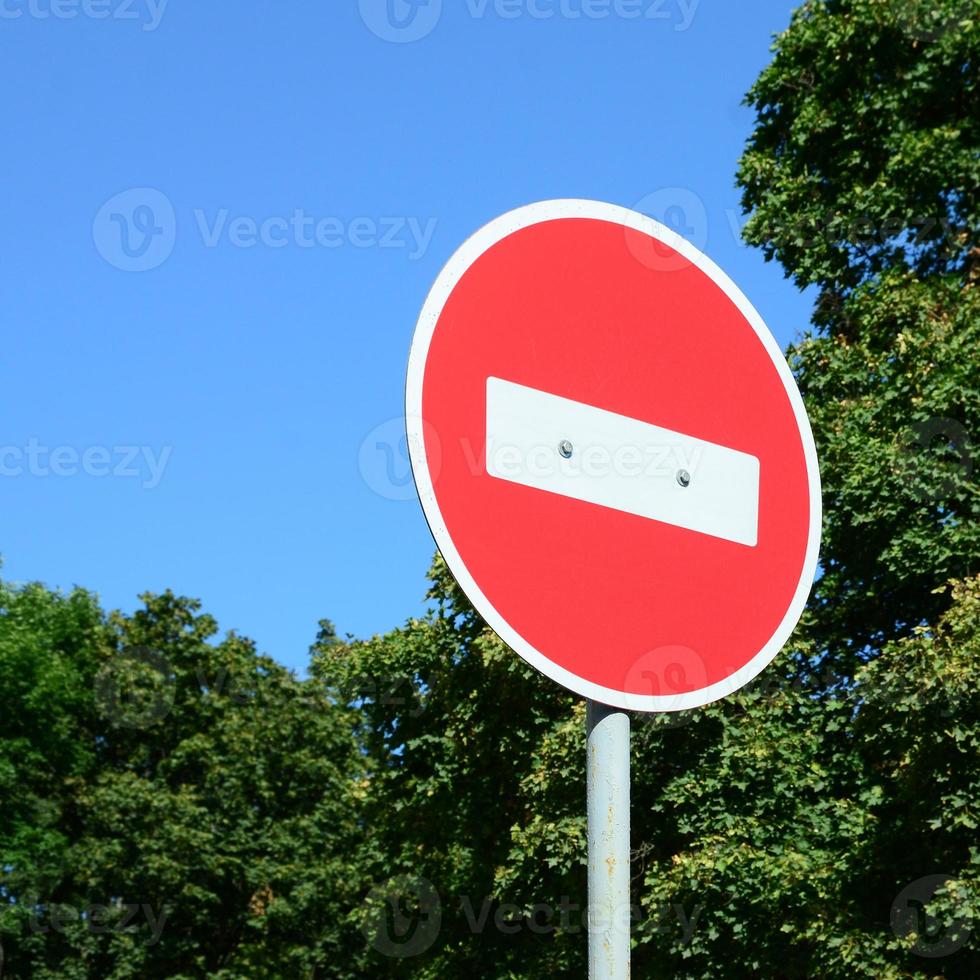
608,790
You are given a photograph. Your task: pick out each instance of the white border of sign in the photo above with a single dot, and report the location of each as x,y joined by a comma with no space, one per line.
447,280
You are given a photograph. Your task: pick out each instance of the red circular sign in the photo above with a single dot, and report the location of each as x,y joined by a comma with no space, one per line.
613,456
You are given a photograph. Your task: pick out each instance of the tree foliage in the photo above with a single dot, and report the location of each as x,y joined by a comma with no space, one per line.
894,404
172,806
450,720
864,155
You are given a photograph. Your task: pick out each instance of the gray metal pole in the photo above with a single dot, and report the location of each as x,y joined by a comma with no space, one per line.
608,779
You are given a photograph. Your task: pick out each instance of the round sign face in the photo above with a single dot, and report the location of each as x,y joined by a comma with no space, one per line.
613,456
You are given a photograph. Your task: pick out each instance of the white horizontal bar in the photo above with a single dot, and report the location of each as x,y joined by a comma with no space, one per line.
620,462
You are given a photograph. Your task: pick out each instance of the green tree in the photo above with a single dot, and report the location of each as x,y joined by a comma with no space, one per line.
173,806
862,178
49,651
453,726
864,155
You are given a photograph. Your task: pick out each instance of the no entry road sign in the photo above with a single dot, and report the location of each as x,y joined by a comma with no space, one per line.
613,456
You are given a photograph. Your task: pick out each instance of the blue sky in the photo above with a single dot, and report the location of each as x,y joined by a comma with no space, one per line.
220,222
